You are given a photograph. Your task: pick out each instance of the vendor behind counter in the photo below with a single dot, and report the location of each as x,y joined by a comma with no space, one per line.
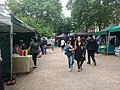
20,49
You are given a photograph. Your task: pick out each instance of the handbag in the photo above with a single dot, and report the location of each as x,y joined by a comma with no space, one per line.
45,46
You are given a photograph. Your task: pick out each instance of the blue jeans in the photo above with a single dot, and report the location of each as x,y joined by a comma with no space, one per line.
52,45
44,49
69,60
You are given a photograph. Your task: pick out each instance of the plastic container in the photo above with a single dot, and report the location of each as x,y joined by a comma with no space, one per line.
21,52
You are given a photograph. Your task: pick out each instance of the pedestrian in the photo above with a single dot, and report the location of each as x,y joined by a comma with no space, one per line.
62,44
71,58
44,42
52,44
42,46
34,48
91,48
97,43
57,42
1,82
79,53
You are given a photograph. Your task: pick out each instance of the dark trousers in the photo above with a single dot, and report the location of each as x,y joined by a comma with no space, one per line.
35,58
1,83
91,54
79,64
1,86
97,46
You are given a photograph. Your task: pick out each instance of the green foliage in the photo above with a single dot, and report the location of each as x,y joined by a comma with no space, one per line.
87,13
44,15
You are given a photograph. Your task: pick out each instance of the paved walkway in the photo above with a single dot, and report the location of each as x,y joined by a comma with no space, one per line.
52,74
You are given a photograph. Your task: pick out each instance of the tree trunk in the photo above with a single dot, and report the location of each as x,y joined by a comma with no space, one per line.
86,28
99,25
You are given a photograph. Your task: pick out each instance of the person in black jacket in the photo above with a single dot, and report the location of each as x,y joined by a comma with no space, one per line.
91,48
1,83
79,53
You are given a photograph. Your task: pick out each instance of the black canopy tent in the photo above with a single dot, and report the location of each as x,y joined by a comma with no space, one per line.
81,34
11,31
62,36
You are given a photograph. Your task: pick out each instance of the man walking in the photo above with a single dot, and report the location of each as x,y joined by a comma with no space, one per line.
91,48
44,42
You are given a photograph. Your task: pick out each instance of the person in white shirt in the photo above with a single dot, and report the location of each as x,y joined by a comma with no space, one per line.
62,44
52,44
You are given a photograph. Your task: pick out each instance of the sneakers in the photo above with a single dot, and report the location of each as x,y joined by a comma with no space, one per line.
69,69
88,62
94,63
34,67
78,70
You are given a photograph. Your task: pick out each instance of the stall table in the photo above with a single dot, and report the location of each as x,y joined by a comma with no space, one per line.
22,64
103,49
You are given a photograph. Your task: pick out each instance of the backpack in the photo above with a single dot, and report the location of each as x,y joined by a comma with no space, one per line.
66,51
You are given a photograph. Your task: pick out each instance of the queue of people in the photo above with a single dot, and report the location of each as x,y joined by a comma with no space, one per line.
76,50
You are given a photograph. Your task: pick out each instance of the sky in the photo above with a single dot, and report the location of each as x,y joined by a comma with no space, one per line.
65,11
64,2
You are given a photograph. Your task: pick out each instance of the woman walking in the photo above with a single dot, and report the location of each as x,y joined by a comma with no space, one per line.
72,57
70,52
34,48
79,53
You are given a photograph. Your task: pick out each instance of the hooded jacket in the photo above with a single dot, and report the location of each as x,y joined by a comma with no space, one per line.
91,44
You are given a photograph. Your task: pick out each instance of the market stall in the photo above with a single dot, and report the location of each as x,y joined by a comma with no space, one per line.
81,34
12,31
115,31
22,64
107,47
60,37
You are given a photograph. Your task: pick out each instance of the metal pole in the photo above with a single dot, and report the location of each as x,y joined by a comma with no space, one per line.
108,42
0,65
11,46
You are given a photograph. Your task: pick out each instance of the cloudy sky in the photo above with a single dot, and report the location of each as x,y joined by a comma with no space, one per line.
64,2
65,11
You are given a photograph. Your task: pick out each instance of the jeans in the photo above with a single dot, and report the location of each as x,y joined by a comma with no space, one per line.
41,46
52,45
43,49
69,60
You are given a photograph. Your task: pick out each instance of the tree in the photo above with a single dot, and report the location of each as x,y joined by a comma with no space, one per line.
87,13
46,14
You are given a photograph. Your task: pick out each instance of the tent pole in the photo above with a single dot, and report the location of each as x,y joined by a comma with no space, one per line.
11,46
108,43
